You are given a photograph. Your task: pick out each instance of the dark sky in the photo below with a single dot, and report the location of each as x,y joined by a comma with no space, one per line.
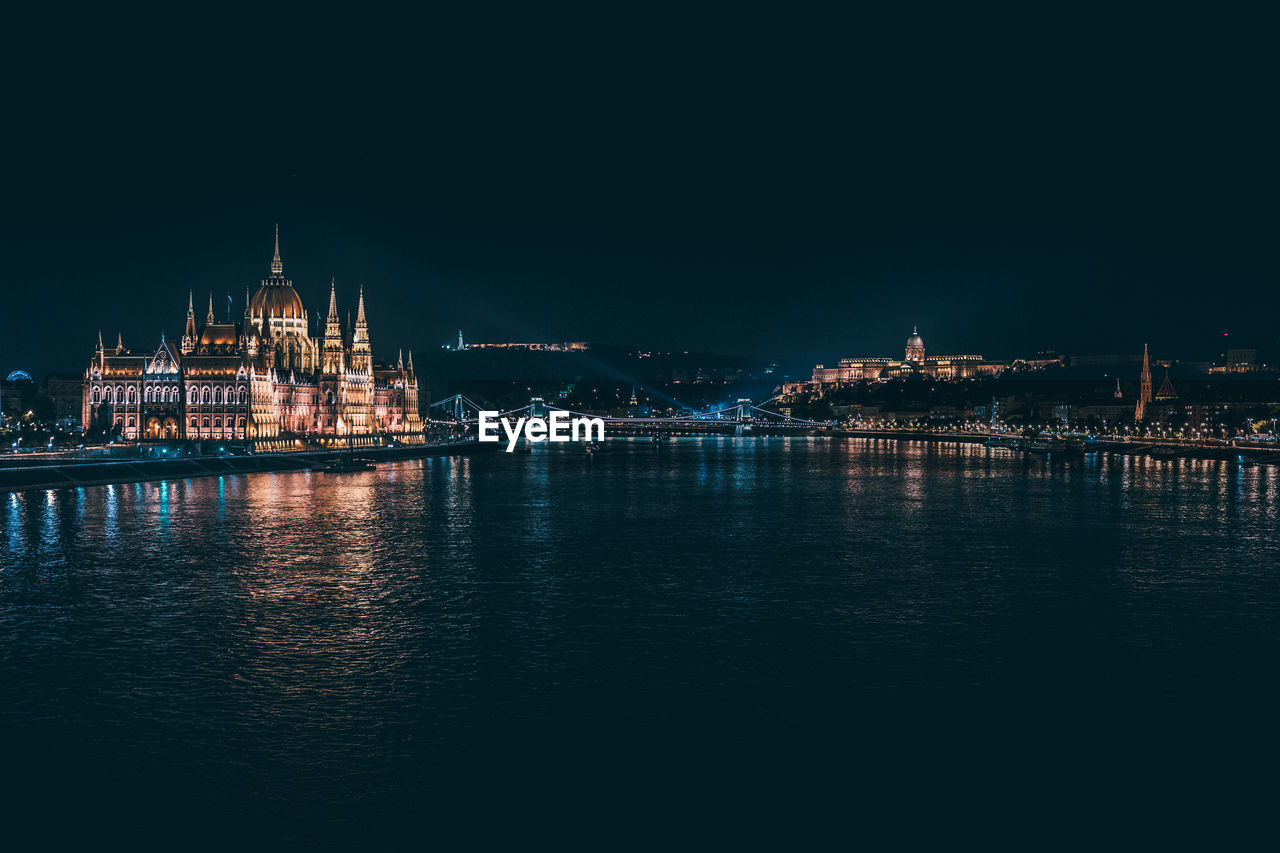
788,187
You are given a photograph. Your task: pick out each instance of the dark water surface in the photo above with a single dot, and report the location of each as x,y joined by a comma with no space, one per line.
717,623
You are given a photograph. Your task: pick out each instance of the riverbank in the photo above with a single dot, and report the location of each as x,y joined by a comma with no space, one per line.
1165,449
75,474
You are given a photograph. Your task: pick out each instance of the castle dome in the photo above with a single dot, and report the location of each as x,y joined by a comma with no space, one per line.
915,340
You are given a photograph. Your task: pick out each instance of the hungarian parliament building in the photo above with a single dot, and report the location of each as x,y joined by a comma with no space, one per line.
265,379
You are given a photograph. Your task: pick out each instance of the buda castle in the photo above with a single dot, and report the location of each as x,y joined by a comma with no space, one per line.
913,363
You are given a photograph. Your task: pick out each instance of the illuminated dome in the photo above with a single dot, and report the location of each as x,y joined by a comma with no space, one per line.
276,298
915,340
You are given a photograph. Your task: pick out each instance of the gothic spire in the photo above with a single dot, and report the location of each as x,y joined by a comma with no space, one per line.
410,361
1144,386
333,300
400,359
277,268
210,318
360,322
100,347
188,342
119,342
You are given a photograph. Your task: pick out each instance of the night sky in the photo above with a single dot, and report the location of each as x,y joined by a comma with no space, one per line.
798,189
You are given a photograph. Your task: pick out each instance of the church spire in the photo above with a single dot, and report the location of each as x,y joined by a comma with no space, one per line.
333,300
100,347
119,342
360,323
210,318
277,268
400,359
1144,386
410,362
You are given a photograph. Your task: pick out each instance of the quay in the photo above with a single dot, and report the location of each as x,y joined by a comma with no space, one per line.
70,472
1159,448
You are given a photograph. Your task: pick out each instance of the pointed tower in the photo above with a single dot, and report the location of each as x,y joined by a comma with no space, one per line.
331,355
210,319
361,351
400,360
277,267
119,342
1144,388
1166,391
189,335
410,363
1118,395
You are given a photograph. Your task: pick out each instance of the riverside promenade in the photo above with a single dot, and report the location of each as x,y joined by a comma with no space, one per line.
1164,448
53,473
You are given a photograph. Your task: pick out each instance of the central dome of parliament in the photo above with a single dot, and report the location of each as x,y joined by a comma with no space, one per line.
276,297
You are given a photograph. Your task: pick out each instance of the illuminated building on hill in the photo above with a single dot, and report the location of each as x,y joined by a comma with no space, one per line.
914,362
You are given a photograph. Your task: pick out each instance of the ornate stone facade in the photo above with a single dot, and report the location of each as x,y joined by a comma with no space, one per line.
264,378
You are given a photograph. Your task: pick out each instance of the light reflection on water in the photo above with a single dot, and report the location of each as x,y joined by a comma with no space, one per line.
337,634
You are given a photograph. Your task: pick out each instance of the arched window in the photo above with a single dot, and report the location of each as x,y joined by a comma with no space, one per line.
217,395
132,422
217,422
97,394
194,423
146,394
204,394
240,423
206,422
244,393
132,394
119,393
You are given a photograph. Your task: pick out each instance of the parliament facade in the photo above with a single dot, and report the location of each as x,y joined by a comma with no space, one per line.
265,379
